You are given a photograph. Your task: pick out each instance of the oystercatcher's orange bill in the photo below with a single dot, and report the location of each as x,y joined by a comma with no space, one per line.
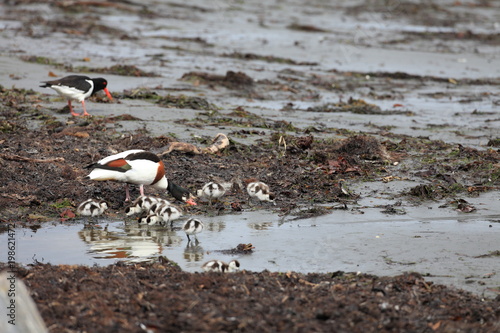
107,93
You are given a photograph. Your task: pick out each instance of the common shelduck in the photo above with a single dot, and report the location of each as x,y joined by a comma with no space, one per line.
260,191
220,266
92,207
77,88
193,227
138,167
211,191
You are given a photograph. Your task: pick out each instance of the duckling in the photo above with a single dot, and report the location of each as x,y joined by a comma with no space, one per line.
260,191
211,191
92,208
157,206
143,203
193,227
163,214
221,266
142,219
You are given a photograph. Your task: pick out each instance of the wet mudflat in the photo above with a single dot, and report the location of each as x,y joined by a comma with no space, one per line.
398,102
373,243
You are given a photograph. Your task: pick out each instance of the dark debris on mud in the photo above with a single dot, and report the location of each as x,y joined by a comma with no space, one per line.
161,298
239,249
301,168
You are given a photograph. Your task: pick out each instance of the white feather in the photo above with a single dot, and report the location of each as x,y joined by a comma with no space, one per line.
74,93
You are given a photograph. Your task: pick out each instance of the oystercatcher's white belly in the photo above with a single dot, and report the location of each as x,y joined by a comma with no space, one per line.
73,93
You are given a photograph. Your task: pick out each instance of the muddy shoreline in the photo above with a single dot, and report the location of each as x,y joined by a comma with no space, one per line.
160,298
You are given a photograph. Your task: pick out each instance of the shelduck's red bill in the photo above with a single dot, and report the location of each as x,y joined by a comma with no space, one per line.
191,202
107,93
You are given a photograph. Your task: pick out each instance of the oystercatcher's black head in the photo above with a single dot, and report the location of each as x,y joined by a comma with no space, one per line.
101,84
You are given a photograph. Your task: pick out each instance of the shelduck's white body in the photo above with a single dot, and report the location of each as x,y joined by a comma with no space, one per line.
138,167
134,166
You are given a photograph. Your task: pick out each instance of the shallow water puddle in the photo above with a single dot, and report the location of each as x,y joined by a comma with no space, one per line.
453,250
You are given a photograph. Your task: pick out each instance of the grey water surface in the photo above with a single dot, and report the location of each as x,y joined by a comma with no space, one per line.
451,247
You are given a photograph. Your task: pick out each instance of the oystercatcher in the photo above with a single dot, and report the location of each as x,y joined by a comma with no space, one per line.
260,191
221,266
77,88
193,227
211,191
138,167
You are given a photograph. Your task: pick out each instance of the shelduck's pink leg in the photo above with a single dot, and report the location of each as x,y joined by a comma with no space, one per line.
127,193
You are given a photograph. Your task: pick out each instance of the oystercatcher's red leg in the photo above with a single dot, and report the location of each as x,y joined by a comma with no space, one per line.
141,188
71,109
85,113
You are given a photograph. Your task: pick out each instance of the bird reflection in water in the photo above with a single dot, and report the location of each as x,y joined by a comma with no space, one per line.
193,252
132,242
